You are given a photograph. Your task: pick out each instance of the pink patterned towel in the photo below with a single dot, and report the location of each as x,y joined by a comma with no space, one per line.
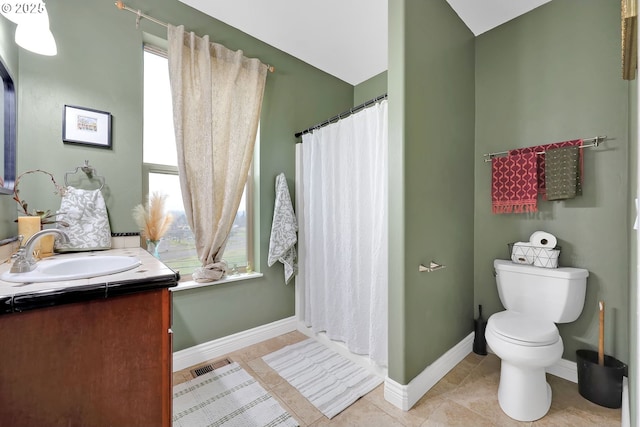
514,184
541,167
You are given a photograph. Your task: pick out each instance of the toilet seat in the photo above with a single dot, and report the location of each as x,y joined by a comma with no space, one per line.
523,329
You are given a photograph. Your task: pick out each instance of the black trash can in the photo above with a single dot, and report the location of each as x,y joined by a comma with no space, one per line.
600,384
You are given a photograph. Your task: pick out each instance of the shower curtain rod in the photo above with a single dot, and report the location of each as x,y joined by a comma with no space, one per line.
342,115
120,5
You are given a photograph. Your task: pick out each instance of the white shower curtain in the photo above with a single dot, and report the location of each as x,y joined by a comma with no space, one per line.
343,231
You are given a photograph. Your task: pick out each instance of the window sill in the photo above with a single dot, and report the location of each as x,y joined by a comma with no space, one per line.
191,284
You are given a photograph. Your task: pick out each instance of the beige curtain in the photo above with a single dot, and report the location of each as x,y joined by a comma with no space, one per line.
217,97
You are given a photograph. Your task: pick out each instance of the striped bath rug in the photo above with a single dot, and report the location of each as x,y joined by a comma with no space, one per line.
228,397
330,381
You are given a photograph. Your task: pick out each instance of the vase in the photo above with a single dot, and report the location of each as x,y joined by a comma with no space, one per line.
152,247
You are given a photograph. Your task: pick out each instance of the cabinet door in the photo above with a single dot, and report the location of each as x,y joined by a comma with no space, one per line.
96,363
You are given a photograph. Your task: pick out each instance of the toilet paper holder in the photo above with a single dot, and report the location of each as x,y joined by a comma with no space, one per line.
433,266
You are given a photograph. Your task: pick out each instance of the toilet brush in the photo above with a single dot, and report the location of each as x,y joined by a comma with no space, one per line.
601,335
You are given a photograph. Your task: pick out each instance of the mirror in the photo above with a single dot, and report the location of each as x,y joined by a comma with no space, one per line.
8,132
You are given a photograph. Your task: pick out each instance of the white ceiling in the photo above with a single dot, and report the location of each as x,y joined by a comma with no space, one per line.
347,39
483,15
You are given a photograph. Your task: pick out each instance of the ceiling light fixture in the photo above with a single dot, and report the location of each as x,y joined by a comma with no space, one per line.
36,39
32,30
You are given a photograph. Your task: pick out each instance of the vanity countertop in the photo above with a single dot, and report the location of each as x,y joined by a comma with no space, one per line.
151,274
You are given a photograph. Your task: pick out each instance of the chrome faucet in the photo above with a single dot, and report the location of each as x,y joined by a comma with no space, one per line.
24,258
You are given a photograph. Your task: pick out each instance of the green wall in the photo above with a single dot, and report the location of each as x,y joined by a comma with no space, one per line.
9,55
633,250
99,65
370,88
431,125
8,49
551,75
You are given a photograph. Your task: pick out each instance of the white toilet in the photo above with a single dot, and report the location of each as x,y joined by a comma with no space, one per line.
525,336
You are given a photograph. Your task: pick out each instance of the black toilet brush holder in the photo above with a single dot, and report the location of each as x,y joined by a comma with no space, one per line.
600,376
600,384
479,341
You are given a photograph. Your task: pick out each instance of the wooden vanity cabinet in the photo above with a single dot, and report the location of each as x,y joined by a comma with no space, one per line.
104,362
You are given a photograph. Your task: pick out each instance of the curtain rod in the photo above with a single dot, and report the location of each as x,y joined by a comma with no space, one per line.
342,115
120,5
596,141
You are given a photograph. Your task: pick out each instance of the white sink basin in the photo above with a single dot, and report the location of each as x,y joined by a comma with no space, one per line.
56,270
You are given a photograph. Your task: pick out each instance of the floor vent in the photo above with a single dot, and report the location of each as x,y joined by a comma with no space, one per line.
210,367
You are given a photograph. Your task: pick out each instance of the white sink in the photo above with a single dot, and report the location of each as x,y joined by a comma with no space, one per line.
56,270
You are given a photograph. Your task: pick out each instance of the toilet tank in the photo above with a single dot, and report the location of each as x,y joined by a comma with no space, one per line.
556,294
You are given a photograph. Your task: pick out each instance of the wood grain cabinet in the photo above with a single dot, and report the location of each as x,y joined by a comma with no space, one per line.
103,362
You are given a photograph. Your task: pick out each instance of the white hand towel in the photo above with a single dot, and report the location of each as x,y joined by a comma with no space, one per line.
83,217
283,230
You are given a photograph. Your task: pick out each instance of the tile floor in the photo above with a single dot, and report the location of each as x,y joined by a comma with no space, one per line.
466,396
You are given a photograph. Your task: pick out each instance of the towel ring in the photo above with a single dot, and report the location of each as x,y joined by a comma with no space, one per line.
90,171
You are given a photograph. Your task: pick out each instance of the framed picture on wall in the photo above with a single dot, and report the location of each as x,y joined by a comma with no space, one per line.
86,126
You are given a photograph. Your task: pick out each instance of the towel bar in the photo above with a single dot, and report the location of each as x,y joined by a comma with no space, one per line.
595,142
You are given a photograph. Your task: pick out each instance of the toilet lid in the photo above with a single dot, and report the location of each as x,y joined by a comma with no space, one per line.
523,329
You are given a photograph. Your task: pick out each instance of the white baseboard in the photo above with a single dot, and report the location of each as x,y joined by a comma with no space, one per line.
565,369
210,350
405,396
626,416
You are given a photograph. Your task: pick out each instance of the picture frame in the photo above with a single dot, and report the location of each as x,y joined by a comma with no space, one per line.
86,126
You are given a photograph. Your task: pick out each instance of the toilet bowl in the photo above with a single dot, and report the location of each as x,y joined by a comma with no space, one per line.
525,336
526,346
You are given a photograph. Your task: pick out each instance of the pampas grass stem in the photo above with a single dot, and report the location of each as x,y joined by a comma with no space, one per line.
152,219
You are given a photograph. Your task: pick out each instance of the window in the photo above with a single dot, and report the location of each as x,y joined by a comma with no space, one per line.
160,173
